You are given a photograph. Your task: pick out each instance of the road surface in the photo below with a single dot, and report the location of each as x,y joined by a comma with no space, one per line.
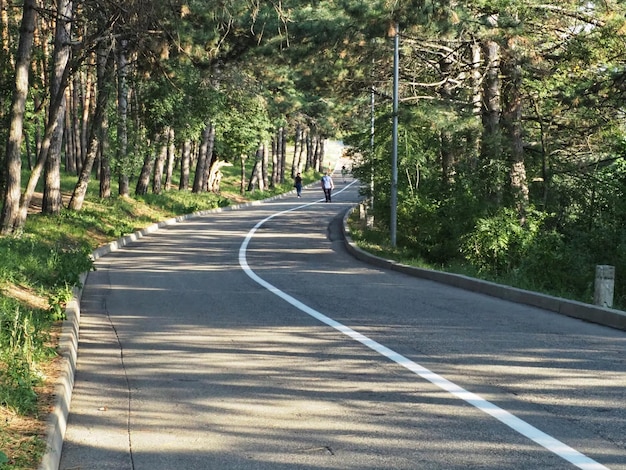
250,339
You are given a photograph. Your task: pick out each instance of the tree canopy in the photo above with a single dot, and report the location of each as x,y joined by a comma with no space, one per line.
511,113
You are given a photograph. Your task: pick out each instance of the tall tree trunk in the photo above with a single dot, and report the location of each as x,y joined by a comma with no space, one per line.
306,142
87,86
78,100
55,119
301,151
4,29
256,176
446,151
44,150
199,181
491,151
11,206
512,122
242,185
123,166
209,159
157,180
185,160
280,157
274,177
264,163
6,63
473,137
62,49
171,159
143,182
70,132
318,164
105,166
295,162
283,154
104,73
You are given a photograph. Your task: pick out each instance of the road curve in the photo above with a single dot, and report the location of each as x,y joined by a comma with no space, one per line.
252,339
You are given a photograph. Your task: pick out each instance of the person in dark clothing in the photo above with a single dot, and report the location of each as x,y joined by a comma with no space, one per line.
298,184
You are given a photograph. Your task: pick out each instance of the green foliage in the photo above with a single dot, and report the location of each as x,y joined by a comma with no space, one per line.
41,266
551,266
499,242
57,302
22,345
244,123
376,241
29,260
467,215
17,384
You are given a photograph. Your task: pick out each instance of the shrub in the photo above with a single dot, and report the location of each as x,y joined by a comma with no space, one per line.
498,243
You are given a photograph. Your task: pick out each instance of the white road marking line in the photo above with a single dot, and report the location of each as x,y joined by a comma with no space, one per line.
522,427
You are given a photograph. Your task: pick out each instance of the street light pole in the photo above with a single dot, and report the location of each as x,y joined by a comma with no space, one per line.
394,151
372,142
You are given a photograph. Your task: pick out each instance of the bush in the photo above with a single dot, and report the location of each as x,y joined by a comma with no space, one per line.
498,243
551,265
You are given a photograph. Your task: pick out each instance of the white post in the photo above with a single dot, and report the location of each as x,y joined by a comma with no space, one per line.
362,211
604,287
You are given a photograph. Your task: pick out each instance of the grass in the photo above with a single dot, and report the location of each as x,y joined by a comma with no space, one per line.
37,273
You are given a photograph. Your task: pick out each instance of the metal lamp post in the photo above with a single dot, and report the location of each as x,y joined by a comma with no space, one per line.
395,32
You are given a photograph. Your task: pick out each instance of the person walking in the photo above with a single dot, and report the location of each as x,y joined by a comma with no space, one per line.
298,184
327,186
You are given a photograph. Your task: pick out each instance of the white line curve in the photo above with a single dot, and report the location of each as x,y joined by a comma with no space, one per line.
522,427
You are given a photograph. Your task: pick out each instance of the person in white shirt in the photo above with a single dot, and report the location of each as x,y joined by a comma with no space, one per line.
327,186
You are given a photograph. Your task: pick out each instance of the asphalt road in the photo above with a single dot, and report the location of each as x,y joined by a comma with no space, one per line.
250,339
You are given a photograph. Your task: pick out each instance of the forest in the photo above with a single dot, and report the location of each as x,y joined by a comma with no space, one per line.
510,141
510,117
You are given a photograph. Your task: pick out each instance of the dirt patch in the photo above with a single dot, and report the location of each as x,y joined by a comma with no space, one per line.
36,202
25,295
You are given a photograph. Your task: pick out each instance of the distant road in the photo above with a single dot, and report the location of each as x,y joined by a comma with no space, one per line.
250,339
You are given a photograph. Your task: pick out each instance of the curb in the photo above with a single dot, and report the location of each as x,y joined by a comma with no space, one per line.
592,313
68,351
